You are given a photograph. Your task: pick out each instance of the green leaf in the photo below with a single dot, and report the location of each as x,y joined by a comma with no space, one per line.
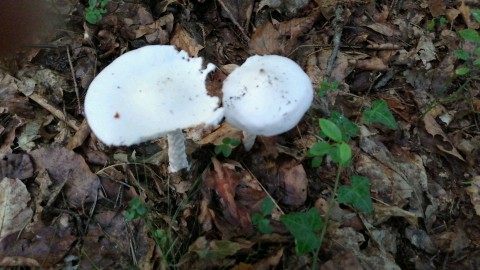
476,52
461,54
330,129
344,154
358,194
319,149
93,16
431,25
476,14
316,162
262,223
443,20
304,227
226,151
462,71
347,127
476,62
267,206
380,113
470,35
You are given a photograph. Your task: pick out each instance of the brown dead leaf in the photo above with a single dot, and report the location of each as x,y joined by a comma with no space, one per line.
13,100
293,178
436,7
80,136
224,180
41,246
15,213
183,40
474,192
466,14
208,254
374,64
109,239
16,166
267,40
282,37
383,29
8,125
288,6
65,166
397,180
157,32
238,10
224,131
443,143
342,261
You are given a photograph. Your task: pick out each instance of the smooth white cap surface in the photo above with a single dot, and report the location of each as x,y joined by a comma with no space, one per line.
146,93
267,95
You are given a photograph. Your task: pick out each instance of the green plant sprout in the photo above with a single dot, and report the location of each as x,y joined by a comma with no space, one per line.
261,220
95,10
379,113
358,194
442,21
136,209
471,59
327,86
304,228
228,144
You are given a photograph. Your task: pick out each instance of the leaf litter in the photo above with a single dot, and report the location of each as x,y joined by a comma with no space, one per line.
64,195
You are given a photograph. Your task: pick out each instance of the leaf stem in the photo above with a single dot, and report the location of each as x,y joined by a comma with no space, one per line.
327,216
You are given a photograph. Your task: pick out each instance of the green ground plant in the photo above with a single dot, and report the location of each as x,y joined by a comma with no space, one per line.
226,147
95,10
308,228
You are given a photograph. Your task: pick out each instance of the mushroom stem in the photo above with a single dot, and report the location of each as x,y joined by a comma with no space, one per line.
248,140
176,151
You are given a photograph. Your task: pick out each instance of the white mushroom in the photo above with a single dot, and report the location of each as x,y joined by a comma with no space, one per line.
149,93
267,95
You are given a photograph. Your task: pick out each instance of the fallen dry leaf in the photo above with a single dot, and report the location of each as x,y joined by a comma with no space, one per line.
109,238
41,246
183,40
15,213
16,166
474,192
267,40
289,6
436,7
293,179
224,180
65,166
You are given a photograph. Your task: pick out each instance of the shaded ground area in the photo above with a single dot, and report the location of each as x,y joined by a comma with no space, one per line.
67,201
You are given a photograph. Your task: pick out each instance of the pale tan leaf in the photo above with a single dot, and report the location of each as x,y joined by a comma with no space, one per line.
15,213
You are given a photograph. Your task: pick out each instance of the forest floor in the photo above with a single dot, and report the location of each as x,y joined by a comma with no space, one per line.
68,201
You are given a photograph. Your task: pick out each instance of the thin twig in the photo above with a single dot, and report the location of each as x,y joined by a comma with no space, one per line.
75,86
244,35
338,23
71,122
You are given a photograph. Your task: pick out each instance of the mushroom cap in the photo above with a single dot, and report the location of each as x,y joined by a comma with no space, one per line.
147,93
267,95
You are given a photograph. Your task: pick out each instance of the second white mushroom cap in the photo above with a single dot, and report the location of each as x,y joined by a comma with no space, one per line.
267,95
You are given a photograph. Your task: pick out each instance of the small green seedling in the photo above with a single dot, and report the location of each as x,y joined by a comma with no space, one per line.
304,227
357,194
95,10
471,59
327,86
442,21
339,150
228,144
261,220
136,209
379,113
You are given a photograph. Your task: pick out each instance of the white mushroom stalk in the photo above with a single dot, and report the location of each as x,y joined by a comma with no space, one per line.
267,95
149,93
